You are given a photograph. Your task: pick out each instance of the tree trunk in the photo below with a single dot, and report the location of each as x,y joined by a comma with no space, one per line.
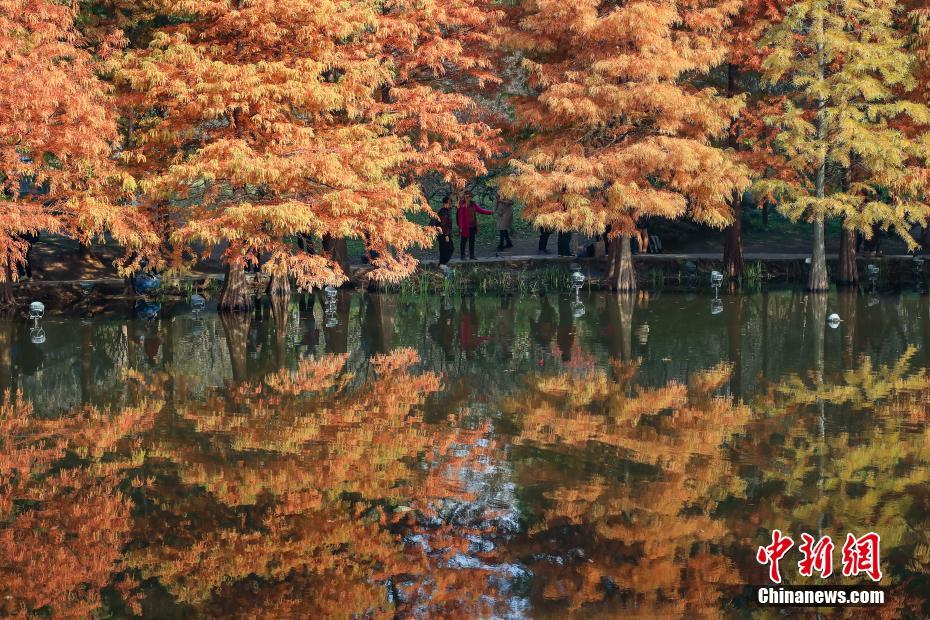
619,340
305,243
378,324
338,252
818,320
735,345
818,331
279,286
279,311
818,281
764,327
6,356
236,295
129,287
7,298
168,361
236,327
849,271
924,314
847,303
818,278
620,274
87,362
733,260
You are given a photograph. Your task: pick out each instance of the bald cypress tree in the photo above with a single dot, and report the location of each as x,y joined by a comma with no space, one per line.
617,129
848,128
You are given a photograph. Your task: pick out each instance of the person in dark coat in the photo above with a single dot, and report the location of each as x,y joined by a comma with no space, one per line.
564,242
444,231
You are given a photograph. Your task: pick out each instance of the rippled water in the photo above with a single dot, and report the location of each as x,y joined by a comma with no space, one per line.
475,456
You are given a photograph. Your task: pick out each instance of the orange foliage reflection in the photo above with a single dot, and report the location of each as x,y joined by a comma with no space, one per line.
641,526
313,492
63,519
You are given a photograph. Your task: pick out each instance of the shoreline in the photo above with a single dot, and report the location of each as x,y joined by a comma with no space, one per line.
500,273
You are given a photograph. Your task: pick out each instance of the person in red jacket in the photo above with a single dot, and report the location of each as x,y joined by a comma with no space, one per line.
467,217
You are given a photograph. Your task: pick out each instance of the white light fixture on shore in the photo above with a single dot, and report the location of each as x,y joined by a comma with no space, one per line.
716,279
36,312
578,280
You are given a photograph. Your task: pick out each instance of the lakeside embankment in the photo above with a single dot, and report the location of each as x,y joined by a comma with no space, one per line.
522,274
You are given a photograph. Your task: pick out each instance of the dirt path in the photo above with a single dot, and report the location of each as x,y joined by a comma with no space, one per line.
58,260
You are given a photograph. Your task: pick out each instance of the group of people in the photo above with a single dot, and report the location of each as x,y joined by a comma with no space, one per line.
465,218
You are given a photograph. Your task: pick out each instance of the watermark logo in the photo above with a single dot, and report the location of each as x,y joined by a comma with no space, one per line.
860,556
817,556
773,553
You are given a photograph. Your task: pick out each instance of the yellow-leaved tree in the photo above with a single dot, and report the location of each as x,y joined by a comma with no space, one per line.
848,129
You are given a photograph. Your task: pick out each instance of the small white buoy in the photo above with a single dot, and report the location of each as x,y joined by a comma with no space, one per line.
834,320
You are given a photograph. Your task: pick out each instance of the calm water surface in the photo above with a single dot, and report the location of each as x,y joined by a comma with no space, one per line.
476,456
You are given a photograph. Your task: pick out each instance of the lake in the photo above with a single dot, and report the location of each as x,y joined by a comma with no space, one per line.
469,456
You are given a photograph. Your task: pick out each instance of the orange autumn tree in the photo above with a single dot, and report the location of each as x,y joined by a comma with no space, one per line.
442,57
748,134
262,120
56,133
618,130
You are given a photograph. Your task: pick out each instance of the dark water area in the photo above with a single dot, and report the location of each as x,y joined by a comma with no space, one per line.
399,456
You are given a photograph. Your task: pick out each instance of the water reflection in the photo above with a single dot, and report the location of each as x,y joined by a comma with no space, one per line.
461,456
627,480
